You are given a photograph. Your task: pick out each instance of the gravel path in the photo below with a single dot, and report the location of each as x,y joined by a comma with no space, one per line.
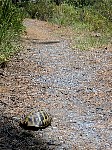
74,85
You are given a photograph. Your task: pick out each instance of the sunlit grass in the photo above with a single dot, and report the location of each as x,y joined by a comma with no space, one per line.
87,42
85,39
91,29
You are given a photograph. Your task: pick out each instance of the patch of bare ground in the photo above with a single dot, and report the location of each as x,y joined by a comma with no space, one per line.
74,86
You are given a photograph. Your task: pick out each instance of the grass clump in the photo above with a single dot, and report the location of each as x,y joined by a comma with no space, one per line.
10,29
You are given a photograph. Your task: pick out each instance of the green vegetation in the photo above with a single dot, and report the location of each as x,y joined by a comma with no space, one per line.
42,9
85,16
10,29
91,21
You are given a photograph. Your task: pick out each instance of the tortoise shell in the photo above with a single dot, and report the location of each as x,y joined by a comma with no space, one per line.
36,120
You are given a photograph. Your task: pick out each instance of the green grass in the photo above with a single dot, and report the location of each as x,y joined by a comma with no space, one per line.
88,40
10,29
87,24
85,38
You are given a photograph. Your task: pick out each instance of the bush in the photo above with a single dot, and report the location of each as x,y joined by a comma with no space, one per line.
96,20
10,28
104,8
42,10
80,3
64,15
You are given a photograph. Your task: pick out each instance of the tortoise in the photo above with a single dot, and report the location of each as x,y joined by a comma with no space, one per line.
36,120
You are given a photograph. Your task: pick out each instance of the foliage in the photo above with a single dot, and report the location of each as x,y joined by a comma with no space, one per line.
10,29
80,3
104,8
64,15
96,21
42,9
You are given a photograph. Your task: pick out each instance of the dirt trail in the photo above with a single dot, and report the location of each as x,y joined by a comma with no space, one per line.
74,85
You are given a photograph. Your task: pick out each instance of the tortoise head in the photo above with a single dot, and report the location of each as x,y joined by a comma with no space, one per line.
23,124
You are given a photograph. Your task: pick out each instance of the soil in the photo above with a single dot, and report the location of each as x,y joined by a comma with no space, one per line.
73,85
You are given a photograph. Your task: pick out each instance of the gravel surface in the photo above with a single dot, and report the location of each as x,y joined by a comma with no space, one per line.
73,85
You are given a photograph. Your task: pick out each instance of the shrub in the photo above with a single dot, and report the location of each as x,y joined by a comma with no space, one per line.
64,15
42,9
97,21
104,8
10,28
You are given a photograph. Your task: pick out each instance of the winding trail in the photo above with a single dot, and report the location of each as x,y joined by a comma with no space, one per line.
74,85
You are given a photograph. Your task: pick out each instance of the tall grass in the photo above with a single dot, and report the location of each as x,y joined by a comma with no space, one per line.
10,29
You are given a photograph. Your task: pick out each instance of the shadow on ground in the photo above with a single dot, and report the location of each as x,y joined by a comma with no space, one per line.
12,137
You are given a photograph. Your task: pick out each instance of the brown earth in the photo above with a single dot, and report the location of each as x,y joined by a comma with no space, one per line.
73,85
